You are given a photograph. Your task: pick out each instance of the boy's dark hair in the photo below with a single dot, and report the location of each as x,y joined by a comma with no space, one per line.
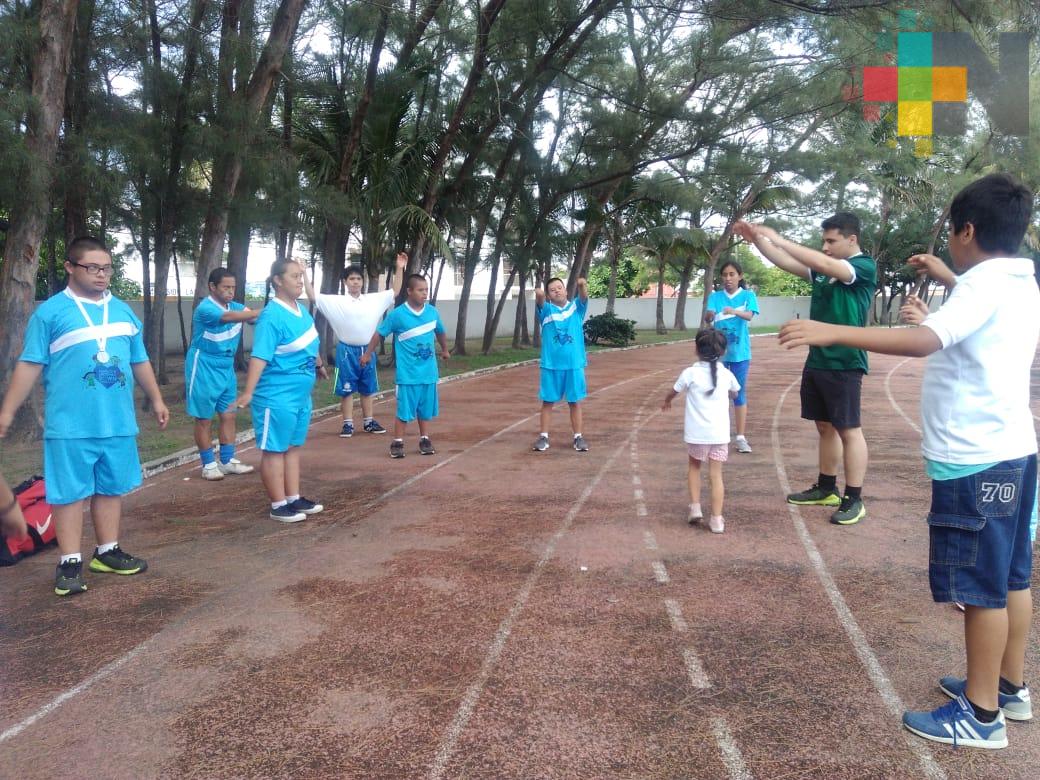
80,245
410,281
845,222
353,270
736,267
277,269
217,275
711,346
999,206
555,279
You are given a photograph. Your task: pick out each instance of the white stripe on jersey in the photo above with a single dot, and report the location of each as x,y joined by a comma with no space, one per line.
561,316
298,343
93,333
223,335
418,330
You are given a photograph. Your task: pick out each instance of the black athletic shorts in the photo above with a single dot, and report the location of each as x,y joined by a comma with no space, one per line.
832,396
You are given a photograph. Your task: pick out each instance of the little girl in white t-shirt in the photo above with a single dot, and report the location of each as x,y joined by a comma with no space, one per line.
709,386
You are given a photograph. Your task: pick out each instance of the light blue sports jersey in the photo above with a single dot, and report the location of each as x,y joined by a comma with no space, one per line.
211,336
563,334
416,350
287,340
738,341
85,397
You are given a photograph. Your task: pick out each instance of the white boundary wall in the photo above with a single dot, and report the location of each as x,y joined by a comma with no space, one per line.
774,312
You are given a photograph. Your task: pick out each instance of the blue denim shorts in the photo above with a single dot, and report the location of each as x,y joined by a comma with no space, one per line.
978,527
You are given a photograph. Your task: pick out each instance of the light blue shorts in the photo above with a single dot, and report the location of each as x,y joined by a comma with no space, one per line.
566,383
278,429
739,369
210,385
417,401
80,468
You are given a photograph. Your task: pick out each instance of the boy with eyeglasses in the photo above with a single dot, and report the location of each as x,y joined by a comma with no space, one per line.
87,344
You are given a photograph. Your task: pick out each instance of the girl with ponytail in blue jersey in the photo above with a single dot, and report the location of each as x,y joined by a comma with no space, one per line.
278,386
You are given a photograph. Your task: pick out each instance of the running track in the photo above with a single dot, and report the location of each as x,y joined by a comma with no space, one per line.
495,613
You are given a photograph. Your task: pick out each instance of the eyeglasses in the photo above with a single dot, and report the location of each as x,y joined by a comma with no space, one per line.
95,270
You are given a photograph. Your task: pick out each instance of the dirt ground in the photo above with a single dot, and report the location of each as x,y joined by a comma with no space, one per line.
491,612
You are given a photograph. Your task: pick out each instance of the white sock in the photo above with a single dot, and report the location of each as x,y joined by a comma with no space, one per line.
695,509
348,420
577,435
367,420
278,504
71,558
545,434
740,437
290,499
104,548
424,436
400,440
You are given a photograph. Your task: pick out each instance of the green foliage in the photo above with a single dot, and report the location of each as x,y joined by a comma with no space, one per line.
632,279
609,329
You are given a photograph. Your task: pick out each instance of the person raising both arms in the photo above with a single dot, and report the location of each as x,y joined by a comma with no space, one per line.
843,281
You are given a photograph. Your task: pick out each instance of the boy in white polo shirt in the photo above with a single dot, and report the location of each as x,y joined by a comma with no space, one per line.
979,446
354,317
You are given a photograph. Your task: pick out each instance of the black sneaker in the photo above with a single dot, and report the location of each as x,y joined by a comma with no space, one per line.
580,445
286,514
850,512
347,430
115,561
306,506
373,427
815,496
68,578
426,446
397,448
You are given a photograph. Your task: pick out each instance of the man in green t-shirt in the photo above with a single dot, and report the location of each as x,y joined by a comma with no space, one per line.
843,282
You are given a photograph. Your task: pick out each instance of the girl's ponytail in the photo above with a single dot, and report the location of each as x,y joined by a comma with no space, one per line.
711,346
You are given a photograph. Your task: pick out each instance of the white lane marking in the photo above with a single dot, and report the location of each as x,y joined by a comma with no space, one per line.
636,480
675,615
638,494
641,510
100,674
650,540
469,700
105,671
891,398
731,756
695,670
660,572
859,641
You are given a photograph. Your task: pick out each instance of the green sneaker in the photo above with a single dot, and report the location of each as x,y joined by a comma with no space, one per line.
850,512
815,496
115,561
68,578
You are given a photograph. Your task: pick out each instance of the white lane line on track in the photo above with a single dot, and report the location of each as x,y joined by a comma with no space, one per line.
100,674
856,636
695,670
660,572
109,668
731,756
675,615
636,480
638,494
469,701
892,399
650,540
641,510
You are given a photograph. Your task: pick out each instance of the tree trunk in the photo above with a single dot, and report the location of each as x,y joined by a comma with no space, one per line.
684,289
520,317
73,147
180,308
615,261
492,327
661,329
29,212
251,101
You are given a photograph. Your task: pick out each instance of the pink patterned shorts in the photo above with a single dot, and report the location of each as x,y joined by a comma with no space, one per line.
702,452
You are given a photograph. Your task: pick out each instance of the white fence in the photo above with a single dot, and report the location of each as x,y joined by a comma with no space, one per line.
774,312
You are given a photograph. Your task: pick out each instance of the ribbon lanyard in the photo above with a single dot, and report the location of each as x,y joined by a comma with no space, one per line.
102,355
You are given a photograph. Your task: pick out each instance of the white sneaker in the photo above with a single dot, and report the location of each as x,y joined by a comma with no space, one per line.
235,466
742,445
212,472
717,524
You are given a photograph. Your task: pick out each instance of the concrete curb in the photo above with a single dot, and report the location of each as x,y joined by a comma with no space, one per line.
181,457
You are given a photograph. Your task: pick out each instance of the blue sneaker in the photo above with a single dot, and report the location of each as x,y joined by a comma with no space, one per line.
1015,706
955,724
348,429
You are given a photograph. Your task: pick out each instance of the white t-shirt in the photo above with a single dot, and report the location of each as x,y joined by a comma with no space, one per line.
354,320
707,413
975,394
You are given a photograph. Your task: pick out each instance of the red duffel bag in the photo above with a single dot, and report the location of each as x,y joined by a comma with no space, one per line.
31,498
